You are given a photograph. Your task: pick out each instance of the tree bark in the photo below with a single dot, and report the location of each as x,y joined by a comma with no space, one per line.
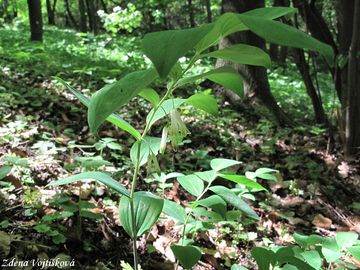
256,85
320,116
104,6
35,17
82,13
191,13
318,28
51,11
208,11
69,13
352,99
92,8
279,53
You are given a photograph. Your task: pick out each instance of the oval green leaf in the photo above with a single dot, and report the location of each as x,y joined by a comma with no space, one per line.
188,256
285,35
113,118
204,102
98,176
166,47
147,209
113,96
192,184
240,179
231,198
243,54
219,164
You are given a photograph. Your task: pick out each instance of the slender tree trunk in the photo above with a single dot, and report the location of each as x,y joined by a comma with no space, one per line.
69,13
208,11
82,11
279,53
191,13
103,3
256,85
352,99
320,116
35,17
92,8
51,11
318,28
4,7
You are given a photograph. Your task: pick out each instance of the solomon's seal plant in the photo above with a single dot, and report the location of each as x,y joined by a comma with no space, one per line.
140,210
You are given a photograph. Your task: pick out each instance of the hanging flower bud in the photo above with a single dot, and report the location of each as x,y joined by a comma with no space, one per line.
163,142
177,129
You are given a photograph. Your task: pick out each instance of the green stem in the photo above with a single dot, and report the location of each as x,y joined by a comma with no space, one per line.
190,212
133,221
188,216
137,165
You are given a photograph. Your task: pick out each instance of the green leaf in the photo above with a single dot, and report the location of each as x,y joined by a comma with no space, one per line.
188,256
263,257
230,23
214,202
211,216
285,35
225,76
150,95
346,239
166,107
4,171
204,102
301,239
98,176
242,54
219,164
271,12
147,209
174,210
288,255
231,198
89,214
238,267
261,171
207,176
166,47
355,252
331,255
313,258
192,184
113,96
113,118
240,179
149,145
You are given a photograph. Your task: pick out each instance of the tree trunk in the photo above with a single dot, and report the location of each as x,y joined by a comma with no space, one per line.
35,17
208,11
352,97
69,13
4,7
256,85
104,6
82,12
92,8
51,11
191,13
279,53
320,116
318,28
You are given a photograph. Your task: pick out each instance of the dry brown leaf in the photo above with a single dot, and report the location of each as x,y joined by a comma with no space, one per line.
322,222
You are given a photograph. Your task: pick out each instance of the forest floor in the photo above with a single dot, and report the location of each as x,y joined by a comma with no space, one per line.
44,136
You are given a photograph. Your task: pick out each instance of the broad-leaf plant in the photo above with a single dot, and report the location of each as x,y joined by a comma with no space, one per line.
139,210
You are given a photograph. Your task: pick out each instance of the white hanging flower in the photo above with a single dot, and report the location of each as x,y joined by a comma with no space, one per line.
177,129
